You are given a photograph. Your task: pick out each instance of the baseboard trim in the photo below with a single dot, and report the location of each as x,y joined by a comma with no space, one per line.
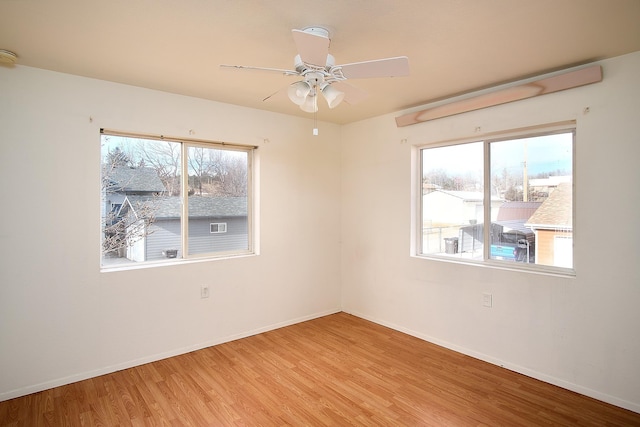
613,400
11,394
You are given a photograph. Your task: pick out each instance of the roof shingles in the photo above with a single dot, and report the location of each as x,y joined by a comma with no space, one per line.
201,207
556,211
126,179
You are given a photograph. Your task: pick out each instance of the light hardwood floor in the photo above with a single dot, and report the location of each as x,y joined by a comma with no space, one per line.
337,370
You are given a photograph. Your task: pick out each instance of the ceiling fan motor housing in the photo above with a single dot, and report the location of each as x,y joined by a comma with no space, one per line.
317,31
301,66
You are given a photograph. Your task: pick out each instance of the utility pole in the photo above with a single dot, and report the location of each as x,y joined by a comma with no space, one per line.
525,178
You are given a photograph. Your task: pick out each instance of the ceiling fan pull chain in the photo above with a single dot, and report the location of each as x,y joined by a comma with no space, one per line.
315,112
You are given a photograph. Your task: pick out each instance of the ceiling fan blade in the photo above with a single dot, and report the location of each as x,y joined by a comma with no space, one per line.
277,94
249,68
352,94
312,48
388,67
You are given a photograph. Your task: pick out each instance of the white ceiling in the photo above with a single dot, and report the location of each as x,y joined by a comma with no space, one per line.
454,46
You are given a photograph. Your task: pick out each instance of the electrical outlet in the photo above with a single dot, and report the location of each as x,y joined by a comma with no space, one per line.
204,291
487,300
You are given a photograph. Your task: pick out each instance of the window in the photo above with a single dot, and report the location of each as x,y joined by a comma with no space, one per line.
165,199
218,227
504,200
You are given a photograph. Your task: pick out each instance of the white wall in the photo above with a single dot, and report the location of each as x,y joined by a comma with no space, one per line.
582,333
61,319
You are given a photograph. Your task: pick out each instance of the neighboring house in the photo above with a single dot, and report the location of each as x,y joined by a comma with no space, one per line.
445,211
153,226
517,211
121,181
216,224
444,207
118,183
552,224
428,187
541,188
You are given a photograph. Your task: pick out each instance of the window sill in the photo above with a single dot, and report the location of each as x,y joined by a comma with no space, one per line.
173,262
502,265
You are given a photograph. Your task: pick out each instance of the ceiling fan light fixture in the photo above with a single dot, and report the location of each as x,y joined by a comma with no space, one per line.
298,92
333,96
310,105
8,57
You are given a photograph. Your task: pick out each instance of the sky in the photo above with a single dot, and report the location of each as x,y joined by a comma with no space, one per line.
543,154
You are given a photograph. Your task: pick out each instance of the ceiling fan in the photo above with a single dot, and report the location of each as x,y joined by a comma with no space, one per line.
320,74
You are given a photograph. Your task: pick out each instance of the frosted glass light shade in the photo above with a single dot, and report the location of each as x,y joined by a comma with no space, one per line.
310,105
333,96
298,92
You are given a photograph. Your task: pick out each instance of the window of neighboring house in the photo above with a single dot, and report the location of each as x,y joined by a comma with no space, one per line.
169,193
218,227
506,200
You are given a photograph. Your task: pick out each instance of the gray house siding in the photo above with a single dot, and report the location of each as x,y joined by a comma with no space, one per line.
201,240
165,231
165,234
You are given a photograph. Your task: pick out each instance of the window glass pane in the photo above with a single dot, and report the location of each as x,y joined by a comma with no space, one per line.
140,203
452,200
218,188
533,179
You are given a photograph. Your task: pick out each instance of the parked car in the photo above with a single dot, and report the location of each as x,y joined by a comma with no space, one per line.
514,246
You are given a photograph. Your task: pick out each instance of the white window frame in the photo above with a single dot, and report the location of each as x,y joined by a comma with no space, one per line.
417,188
252,197
221,227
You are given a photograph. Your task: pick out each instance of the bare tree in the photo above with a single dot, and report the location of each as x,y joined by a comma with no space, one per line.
117,157
124,225
227,169
233,180
122,231
468,181
202,164
164,157
508,185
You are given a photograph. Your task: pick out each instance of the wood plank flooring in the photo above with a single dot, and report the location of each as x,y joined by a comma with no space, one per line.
338,370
